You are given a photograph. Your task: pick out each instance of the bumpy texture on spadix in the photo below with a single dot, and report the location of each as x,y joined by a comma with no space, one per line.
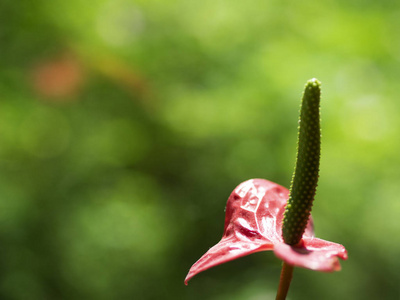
253,223
305,177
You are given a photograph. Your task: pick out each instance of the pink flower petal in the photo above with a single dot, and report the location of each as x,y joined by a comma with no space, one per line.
253,222
315,254
226,250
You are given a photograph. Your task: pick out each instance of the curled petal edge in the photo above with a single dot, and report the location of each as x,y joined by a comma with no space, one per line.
223,252
313,253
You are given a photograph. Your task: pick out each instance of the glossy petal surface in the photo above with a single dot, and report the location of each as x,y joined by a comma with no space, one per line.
315,254
253,223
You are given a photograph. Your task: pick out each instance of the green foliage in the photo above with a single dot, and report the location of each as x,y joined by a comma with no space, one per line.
125,125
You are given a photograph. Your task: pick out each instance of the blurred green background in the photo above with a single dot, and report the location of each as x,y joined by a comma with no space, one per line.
125,125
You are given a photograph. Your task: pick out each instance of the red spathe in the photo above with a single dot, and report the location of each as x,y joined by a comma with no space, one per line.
253,223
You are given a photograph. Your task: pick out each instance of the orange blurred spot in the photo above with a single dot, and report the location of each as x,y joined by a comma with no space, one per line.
58,79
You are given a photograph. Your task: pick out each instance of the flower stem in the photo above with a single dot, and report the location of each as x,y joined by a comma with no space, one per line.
284,283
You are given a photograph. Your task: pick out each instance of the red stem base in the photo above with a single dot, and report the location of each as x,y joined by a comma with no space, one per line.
284,283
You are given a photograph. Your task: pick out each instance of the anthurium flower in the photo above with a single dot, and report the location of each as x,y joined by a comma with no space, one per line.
253,223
